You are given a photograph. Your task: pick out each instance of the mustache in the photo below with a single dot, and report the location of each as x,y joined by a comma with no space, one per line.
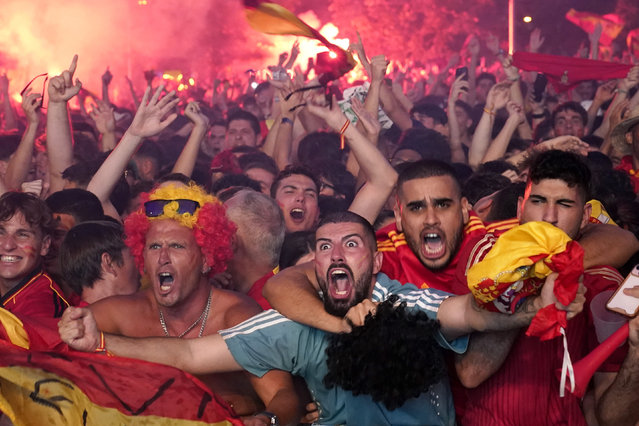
338,266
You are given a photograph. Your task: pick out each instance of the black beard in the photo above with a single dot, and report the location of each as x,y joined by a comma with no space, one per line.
362,288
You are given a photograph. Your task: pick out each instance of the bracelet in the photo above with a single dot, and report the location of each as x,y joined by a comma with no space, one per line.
341,133
287,120
514,79
489,111
622,91
101,349
540,115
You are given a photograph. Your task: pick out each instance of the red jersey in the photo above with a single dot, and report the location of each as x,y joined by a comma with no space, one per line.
255,292
401,264
525,391
36,296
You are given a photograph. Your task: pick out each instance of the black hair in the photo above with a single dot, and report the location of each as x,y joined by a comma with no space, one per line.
178,177
8,145
319,146
482,184
371,360
430,110
79,203
427,142
342,181
295,245
496,166
328,204
80,255
294,169
241,114
258,160
350,217
570,106
35,211
234,180
486,76
426,169
562,165
505,202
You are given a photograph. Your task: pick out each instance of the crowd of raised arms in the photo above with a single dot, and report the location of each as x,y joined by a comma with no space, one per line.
305,253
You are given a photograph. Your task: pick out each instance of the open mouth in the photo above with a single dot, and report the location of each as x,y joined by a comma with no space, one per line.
166,281
297,214
10,259
433,245
340,281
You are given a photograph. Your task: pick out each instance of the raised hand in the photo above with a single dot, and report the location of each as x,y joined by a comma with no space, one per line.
149,119
333,116
61,87
30,105
566,143
370,123
78,329
605,92
498,96
536,40
356,315
459,86
102,115
473,46
193,113
379,64
516,112
107,77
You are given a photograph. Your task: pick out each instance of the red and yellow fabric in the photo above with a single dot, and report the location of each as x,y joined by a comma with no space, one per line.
611,24
628,166
53,388
271,18
514,269
599,214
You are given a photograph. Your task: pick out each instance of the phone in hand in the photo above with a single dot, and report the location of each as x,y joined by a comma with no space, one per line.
462,71
539,87
621,302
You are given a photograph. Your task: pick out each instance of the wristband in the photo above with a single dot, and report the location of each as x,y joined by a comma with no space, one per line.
341,133
101,349
489,111
540,115
514,79
287,120
622,91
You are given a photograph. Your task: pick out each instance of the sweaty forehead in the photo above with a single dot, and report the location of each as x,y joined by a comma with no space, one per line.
435,187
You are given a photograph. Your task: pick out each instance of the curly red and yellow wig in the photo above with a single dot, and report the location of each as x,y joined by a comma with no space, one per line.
212,230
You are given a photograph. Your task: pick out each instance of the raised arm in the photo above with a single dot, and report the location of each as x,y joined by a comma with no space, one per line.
380,176
186,161
497,98
148,121
294,292
19,164
499,145
102,116
106,81
9,114
59,140
454,139
607,245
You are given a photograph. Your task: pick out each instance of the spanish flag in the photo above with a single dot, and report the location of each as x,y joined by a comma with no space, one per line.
39,387
611,24
516,266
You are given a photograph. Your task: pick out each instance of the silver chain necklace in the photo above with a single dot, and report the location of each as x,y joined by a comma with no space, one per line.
203,317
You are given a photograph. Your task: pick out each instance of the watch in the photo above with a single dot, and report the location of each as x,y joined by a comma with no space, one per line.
273,420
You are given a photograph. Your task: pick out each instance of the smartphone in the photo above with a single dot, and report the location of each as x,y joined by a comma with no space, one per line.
461,70
622,303
539,87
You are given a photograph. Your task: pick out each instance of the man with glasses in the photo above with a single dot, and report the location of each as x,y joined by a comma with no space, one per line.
179,238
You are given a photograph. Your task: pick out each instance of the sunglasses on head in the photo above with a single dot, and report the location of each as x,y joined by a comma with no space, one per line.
155,208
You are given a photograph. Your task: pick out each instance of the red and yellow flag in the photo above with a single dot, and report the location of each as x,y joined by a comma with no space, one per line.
514,269
611,24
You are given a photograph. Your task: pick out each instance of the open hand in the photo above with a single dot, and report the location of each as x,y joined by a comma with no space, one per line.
149,119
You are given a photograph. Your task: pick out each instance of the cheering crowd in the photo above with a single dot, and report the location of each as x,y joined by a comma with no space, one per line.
305,249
